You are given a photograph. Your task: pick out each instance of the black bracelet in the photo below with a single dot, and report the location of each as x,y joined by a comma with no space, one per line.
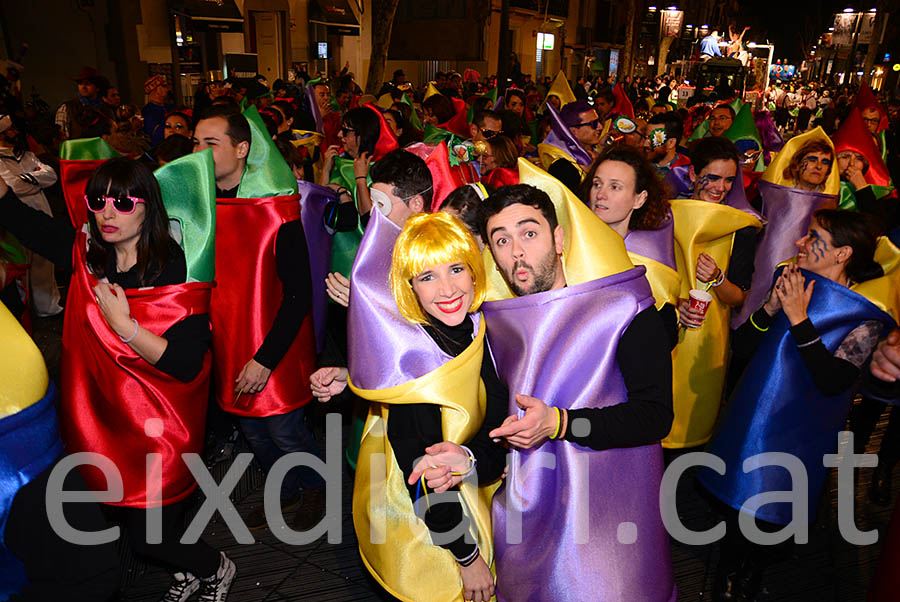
361,177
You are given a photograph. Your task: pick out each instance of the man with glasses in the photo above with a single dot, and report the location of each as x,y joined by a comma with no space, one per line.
871,117
720,119
574,133
485,126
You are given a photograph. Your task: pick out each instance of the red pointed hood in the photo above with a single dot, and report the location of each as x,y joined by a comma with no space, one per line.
387,142
853,135
865,99
459,123
623,105
445,180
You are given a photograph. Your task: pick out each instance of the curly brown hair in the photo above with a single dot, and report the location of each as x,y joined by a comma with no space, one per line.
816,145
653,212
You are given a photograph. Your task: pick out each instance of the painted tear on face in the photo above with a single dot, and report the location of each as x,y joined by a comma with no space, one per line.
817,246
705,181
810,160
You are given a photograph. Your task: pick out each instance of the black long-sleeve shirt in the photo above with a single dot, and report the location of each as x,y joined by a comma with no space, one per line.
831,374
645,360
669,316
292,266
413,427
53,239
344,217
743,253
886,210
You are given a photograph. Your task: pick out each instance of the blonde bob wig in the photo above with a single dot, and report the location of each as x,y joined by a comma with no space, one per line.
431,239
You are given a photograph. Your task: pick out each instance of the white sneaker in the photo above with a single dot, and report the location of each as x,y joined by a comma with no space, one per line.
215,588
182,588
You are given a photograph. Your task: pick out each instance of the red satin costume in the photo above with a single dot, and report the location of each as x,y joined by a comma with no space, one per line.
245,302
110,392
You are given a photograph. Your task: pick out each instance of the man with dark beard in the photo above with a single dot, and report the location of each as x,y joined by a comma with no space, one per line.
584,353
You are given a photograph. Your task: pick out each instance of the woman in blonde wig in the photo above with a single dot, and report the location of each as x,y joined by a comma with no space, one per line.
417,353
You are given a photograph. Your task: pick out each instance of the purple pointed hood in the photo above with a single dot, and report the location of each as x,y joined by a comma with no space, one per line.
384,348
562,138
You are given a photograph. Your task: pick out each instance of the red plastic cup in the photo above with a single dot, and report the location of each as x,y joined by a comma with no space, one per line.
699,302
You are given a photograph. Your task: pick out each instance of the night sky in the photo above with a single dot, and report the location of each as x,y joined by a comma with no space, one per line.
783,23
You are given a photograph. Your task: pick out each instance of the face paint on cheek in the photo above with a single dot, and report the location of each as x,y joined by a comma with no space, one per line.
804,164
818,246
703,183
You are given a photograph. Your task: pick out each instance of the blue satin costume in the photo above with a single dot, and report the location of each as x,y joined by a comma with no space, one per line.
777,408
29,444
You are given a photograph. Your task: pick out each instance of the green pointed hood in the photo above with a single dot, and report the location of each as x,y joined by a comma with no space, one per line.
87,149
434,135
188,186
744,128
413,117
701,131
267,174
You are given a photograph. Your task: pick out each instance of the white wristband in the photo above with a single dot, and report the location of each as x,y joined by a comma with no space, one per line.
472,462
134,334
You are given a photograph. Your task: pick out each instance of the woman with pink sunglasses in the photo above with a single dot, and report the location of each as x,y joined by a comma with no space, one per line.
136,360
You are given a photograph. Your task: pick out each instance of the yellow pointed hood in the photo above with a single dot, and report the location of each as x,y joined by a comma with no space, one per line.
884,291
430,91
775,172
561,89
592,250
385,101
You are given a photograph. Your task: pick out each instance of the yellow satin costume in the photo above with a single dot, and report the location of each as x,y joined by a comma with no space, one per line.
398,550
699,359
664,281
23,374
549,153
884,291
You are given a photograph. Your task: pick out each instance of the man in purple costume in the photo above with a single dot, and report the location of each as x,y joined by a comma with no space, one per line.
589,373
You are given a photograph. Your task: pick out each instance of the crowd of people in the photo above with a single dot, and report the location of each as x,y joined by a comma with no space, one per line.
527,302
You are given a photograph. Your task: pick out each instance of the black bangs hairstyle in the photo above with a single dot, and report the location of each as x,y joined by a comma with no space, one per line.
126,177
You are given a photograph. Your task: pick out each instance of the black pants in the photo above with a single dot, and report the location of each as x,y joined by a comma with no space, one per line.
863,420
196,558
57,569
736,552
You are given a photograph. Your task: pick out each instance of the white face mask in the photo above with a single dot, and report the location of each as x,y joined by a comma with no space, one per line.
381,201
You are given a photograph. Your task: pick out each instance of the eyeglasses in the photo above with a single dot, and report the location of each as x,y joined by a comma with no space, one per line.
488,134
123,204
873,120
345,130
592,124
